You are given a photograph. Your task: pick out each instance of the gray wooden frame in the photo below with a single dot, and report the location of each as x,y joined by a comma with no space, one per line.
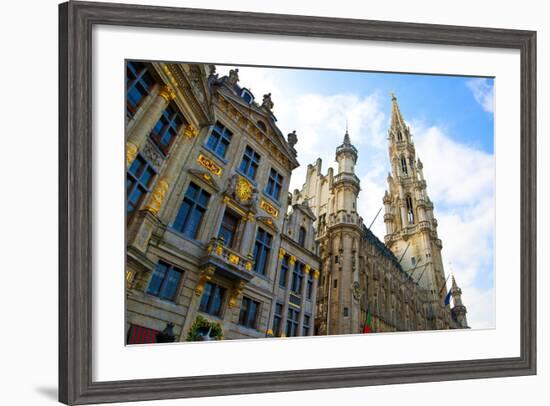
75,212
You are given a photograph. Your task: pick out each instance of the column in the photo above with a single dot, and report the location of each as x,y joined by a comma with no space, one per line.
307,270
141,130
248,235
173,166
316,274
204,276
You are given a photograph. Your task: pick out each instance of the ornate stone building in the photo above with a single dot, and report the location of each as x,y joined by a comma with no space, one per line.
401,285
211,230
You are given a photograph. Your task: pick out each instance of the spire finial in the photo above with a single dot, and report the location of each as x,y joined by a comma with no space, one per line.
347,140
393,96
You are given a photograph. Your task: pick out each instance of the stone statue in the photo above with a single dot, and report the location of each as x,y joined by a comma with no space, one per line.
292,138
267,102
233,77
232,185
254,200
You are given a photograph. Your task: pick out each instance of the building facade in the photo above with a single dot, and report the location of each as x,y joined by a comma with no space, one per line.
211,232
396,286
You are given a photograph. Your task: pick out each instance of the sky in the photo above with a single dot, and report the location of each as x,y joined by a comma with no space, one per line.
452,123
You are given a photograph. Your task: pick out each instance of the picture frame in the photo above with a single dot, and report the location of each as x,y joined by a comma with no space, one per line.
76,20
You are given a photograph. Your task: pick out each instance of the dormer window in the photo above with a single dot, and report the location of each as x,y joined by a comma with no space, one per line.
247,96
262,126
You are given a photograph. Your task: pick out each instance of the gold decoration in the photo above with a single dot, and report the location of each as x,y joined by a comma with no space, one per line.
167,93
307,269
269,209
243,189
233,259
219,250
269,332
250,216
157,197
206,276
234,298
282,253
248,266
209,164
190,131
316,274
207,177
292,260
131,152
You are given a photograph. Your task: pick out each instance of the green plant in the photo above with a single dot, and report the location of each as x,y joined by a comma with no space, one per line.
202,327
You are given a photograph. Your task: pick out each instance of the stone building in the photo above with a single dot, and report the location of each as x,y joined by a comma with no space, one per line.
399,285
211,230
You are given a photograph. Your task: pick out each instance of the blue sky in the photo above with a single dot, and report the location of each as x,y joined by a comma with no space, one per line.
452,122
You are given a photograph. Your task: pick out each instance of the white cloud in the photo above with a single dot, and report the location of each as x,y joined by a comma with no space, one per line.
483,92
460,178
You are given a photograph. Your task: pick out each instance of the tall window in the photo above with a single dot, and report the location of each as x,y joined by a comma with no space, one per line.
138,85
292,322
262,248
410,212
249,163
309,286
219,140
284,272
306,325
404,166
297,277
191,211
249,312
302,236
228,229
212,299
165,130
138,181
274,184
165,281
277,318
399,136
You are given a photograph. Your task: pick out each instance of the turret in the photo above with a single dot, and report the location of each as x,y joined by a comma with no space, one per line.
346,183
459,310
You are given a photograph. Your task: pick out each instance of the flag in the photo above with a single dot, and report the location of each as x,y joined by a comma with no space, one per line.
448,298
368,324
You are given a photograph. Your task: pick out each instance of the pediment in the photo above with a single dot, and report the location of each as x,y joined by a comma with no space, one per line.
206,177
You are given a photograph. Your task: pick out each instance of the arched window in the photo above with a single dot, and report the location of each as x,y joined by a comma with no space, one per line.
302,236
399,136
404,166
410,212
262,126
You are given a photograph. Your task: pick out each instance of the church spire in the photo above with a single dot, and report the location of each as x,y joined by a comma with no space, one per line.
398,129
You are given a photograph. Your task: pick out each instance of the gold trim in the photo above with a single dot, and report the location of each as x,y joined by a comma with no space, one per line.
206,275
209,164
307,269
282,253
292,260
234,259
316,274
190,131
243,189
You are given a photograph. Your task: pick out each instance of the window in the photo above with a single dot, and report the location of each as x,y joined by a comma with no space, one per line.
138,180
262,248
274,184
284,272
228,229
164,281
399,136
249,163
309,286
346,312
404,166
262,126
277,318
413,261
219,140
292,323
165,130
138,85
191,211
297,277
302,236
335,283
141,335
410,212
306,325
247,96
212,299
249,310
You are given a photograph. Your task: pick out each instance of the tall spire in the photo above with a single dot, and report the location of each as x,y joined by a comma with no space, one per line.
347,147
397,121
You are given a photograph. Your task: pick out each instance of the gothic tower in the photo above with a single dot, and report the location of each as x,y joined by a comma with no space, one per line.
459,310
411,229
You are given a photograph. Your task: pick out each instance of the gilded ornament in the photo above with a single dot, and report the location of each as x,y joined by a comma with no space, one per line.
243,189
269,209
316,274
209,164
157,197
307,269
233,259
292,260
190,131
282,253
219,250
248,266
269,332
167,93
131,152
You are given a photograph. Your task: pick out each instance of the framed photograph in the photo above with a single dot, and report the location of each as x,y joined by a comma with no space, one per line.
260,202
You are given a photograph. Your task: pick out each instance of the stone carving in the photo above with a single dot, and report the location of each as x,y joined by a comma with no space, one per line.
153,155
292,138
233,77
267,103
243,189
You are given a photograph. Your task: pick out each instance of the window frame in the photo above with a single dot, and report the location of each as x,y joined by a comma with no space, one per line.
165,278
194,202
220,136
216,289
274,185
245,319
265,252
138,80
138,183
251,160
